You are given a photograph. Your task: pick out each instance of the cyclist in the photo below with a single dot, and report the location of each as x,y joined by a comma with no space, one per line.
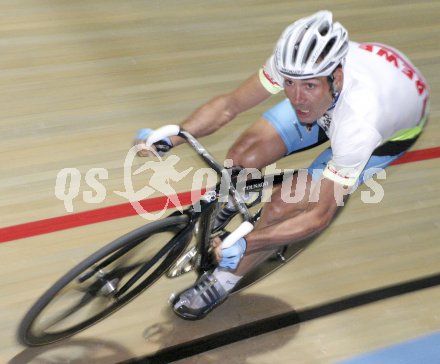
367,99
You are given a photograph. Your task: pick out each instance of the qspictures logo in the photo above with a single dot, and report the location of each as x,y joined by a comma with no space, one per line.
162,173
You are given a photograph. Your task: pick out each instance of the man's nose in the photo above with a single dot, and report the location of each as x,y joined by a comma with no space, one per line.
296,95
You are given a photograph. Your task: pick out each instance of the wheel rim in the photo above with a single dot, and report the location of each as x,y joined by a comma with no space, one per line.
91,296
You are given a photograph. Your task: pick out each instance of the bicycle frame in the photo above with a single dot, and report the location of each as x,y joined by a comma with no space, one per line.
202,213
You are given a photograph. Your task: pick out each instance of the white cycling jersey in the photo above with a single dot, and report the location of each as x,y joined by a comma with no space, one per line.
384,97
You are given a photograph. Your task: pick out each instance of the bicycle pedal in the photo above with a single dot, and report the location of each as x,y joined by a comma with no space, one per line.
281,254
281,257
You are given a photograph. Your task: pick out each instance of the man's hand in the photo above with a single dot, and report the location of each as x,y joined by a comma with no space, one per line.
161,146
230,257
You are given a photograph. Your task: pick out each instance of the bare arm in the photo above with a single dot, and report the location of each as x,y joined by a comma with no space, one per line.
222,109
307,222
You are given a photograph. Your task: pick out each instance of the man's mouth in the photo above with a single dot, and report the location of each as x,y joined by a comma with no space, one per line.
302,112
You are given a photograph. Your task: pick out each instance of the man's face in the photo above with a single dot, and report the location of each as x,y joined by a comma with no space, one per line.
310,98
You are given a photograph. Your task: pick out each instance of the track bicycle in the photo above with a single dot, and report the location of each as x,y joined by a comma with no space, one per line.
181,242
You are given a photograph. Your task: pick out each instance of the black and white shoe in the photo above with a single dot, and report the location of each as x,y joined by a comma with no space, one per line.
197,301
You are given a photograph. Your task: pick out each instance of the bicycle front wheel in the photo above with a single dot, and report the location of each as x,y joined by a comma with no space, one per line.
105,281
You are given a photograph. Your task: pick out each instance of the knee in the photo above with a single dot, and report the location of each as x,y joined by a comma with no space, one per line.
244,159
245,154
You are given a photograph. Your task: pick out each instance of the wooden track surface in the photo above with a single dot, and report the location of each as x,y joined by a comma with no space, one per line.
80,77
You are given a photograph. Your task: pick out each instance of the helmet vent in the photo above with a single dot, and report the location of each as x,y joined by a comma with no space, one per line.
310,50
295,52
297,45
327,48
324,29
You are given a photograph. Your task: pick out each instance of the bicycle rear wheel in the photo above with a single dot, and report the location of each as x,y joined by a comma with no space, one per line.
105,281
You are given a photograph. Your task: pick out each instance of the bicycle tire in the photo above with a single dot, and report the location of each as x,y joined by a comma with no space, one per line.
31,335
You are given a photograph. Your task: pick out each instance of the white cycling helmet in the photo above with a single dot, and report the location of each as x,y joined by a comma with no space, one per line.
311,47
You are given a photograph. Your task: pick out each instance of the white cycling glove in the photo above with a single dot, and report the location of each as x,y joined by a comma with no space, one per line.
162,146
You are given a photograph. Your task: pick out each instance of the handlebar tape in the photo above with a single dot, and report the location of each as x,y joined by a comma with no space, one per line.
244,229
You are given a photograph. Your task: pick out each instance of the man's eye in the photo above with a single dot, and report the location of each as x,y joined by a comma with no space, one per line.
311,85
288,82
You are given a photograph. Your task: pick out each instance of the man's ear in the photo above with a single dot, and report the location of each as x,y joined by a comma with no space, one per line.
338,79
